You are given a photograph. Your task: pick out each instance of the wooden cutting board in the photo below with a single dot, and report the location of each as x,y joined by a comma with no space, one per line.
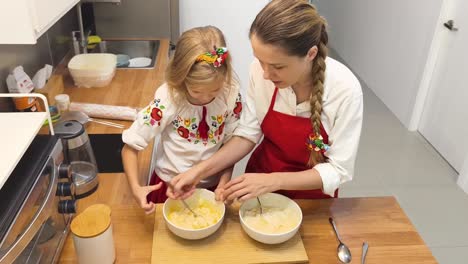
230,244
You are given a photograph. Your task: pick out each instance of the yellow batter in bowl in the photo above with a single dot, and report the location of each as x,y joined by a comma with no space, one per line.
272,220
208,214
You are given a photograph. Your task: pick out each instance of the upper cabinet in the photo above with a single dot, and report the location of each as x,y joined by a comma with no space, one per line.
24,21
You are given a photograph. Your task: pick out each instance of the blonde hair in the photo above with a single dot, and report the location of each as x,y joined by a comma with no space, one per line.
184,71
296,26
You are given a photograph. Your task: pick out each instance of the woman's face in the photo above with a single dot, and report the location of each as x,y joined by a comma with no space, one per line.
282,69
204,94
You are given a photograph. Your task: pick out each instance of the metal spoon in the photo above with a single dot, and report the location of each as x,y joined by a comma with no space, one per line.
188,207
260,205
344,255
83,118
183,201
365,246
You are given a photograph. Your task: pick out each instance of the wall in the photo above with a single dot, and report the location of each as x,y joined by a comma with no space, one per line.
463,177
233,18
386,43
51,47
138,18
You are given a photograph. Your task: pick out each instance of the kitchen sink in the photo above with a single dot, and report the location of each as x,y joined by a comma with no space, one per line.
132,48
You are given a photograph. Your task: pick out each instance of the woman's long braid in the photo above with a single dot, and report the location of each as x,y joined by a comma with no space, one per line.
318,78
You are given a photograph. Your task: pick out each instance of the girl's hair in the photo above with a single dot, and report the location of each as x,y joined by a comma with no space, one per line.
296,26
184,70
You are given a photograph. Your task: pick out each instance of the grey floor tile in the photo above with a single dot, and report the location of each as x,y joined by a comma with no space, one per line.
452,255
395,155
439,213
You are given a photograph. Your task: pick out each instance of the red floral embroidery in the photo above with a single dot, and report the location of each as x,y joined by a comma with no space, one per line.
238,109
183,132
153,113
156,114
188,129
236,112
221,129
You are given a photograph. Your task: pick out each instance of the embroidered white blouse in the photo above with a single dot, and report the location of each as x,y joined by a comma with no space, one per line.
341,117
181,145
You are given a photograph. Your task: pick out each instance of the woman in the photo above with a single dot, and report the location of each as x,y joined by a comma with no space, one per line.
307,106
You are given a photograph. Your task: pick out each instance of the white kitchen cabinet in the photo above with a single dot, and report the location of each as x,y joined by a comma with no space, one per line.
17,132
24,21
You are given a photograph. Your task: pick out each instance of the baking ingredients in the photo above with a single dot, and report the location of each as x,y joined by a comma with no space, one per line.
272,220
208,214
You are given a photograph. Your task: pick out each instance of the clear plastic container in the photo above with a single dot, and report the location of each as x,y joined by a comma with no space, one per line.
93,70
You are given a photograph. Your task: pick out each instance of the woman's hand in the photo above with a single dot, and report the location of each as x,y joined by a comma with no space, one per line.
140,193
250,185
183,185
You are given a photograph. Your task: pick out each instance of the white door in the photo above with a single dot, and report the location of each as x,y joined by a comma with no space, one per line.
444,122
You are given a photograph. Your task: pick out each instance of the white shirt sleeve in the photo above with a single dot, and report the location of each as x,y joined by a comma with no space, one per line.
249,126
235,106
344,140
151,120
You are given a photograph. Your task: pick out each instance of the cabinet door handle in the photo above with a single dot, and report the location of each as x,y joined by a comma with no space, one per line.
450,25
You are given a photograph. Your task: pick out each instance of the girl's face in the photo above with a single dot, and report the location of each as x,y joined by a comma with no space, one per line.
282,69
203,94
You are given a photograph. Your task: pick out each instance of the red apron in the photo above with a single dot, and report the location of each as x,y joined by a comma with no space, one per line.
284,149
159,196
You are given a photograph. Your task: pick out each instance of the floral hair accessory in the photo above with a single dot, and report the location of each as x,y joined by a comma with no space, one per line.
215,57
315,143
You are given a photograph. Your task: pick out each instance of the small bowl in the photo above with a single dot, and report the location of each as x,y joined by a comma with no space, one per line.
139,62
193,202
123,60
277,203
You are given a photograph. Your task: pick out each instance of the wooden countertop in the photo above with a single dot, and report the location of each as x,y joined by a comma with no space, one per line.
129,87
380,221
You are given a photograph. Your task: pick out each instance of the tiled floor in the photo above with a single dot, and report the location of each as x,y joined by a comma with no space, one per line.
393,161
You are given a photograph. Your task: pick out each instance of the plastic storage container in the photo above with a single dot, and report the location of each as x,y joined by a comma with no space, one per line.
92,235
93,70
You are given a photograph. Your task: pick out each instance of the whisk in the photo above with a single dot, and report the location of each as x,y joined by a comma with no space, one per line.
260,205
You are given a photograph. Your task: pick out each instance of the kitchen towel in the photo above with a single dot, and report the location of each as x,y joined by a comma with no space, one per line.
106,111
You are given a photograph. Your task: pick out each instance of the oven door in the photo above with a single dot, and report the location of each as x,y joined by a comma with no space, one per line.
33,216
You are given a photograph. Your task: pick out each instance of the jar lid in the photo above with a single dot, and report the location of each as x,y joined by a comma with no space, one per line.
69,129
100,207
92,222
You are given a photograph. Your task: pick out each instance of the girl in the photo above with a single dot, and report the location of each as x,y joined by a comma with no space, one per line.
194,112
307,106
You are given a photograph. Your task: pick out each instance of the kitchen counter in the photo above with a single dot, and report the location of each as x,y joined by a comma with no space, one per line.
129,87
380,221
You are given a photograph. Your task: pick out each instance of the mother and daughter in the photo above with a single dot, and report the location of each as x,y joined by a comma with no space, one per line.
302,108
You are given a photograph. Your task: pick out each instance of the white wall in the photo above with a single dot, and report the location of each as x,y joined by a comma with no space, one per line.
386,43
233,18
463,177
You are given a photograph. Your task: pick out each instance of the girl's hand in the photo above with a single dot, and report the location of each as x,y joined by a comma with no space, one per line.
250,185
140,193
219,193
223,179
